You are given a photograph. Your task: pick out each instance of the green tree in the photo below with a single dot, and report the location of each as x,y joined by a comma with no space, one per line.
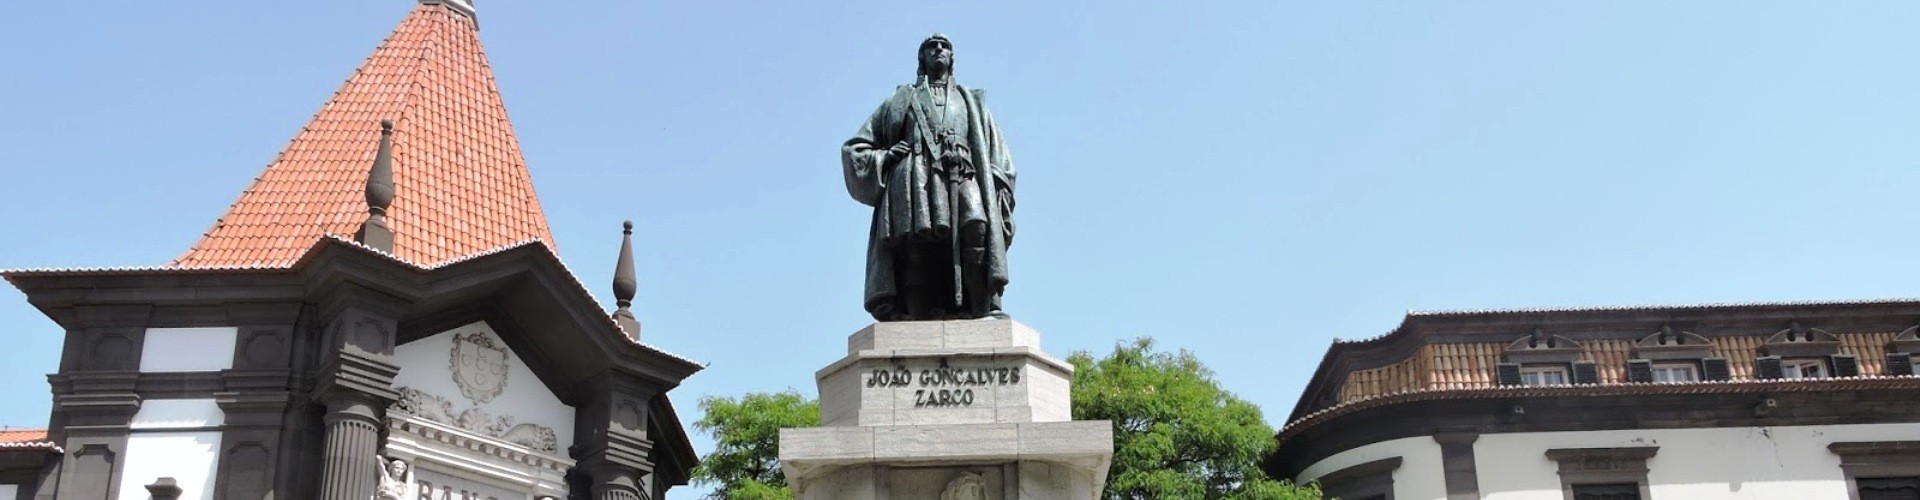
1176,433
745,460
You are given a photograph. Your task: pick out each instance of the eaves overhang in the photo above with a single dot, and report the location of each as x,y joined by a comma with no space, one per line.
335,260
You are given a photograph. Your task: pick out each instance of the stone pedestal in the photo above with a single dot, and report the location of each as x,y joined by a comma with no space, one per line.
942,410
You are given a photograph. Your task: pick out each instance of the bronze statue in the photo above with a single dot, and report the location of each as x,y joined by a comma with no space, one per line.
931,164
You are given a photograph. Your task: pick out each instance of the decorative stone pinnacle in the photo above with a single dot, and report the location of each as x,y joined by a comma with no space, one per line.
625,283
165,488
375,232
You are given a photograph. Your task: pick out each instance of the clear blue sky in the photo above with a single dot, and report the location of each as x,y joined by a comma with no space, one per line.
1245,180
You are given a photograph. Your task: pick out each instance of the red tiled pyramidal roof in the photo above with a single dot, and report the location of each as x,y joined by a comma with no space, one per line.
461,185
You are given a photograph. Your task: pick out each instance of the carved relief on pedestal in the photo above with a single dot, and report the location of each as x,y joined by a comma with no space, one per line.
969,486
479,366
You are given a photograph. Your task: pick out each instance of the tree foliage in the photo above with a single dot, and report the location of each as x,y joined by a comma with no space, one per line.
1177,434
745,460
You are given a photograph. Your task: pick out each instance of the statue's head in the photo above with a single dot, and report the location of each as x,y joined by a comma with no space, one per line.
397,469
936,56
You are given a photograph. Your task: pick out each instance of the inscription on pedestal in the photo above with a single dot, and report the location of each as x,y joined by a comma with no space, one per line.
943,386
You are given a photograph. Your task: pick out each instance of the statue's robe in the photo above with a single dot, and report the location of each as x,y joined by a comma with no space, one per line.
914,198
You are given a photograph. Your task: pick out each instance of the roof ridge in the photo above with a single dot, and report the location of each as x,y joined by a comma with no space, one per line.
1643,307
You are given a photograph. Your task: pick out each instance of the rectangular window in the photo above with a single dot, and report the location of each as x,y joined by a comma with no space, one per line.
188,349
1613,491
1675,372
1543,375
1803,368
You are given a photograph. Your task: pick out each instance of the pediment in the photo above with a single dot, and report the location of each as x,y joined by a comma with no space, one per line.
1540,347
1798,341
468,378
1668,343
1907,340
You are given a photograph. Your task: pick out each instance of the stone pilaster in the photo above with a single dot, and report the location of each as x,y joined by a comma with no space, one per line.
356,388
94,410
352,463
612,446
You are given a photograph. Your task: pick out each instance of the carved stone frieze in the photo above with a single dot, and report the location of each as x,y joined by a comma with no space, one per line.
434,408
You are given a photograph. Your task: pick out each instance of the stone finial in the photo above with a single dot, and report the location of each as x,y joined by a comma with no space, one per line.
375,232
164,489
625,284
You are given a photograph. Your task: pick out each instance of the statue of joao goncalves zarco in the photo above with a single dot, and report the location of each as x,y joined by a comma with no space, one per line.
931,164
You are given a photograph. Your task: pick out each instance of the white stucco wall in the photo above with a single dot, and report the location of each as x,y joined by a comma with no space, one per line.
170,439
1716,463
425,365
187,349
1418,478
1727,463
9,491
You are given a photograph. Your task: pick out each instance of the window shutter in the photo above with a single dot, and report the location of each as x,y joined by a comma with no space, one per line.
1508,373
1715,369
1899,363
1844,365
1639,370
1766,367
1585,372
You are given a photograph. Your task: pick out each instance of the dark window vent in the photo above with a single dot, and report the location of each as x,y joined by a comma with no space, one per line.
1508,373
1766,367
1845,365
1899,363
1639,370
1715,369
1585,372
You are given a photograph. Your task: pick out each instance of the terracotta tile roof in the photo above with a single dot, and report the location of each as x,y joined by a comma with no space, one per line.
461,184
27,440
1904,382
1470,365
22,435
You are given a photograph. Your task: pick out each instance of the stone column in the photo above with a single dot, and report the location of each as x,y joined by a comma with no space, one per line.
351,470
613,482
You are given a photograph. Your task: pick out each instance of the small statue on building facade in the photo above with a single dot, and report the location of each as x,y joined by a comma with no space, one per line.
932,165
393,481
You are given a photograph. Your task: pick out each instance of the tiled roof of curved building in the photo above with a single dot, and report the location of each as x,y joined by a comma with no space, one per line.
1298,425
461,184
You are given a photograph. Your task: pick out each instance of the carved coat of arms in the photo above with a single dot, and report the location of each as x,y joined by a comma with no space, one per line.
479,365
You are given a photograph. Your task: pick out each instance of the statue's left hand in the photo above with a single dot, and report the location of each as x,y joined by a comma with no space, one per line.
899,150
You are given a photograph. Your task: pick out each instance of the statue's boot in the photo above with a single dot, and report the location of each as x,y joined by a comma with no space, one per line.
979,296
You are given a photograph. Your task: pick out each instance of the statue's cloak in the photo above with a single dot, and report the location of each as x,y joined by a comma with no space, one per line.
894,207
